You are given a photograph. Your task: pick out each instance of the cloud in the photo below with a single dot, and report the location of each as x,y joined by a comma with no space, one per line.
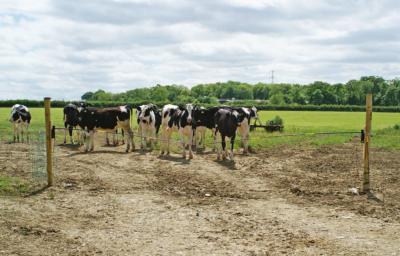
62,48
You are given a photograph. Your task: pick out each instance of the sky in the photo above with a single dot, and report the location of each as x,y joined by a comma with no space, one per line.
64,48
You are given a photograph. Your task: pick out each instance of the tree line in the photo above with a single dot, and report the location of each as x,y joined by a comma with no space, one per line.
386,93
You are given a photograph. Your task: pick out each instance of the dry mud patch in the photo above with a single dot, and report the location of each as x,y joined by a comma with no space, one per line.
280,201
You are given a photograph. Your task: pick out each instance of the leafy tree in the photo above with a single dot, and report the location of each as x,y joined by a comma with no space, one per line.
277,99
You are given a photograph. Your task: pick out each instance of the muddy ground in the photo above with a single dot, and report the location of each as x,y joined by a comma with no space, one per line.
293,201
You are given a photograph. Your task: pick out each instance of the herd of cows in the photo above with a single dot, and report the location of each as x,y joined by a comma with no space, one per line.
190,121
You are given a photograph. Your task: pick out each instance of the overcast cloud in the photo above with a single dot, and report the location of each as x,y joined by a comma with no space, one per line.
63,48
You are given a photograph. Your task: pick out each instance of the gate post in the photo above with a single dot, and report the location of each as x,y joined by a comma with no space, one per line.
368,118
49,151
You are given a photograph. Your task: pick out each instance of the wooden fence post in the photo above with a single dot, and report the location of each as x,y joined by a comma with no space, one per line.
49,151
368,118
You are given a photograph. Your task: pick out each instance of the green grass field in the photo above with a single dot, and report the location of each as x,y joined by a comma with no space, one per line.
294,121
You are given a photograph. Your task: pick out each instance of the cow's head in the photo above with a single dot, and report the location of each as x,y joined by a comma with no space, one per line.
189,109
253,112
71,113
146,112
82,106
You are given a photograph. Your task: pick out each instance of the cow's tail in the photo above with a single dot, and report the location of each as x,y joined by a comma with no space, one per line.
129,107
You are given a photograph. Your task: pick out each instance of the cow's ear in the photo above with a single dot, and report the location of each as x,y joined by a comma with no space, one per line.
181,107
138,108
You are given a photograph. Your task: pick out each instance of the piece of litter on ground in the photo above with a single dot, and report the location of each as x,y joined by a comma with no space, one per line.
353,191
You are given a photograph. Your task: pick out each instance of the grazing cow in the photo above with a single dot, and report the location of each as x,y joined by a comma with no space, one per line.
149,121
226,123
20,117
71,121
246,114
107,119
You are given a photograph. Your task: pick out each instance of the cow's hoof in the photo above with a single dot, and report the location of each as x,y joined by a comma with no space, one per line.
168,153
191,156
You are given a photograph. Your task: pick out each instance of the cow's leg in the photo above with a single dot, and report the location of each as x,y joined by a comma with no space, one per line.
27,133
18,131
168,140
232,145
113,136
203,139
246,144
215,140
65,133
15,132
182,138
70,130
129,140
215,148
91,140
245,141
86,140
162,141
223,143
80,135
191,134
22,126
141,136
153,139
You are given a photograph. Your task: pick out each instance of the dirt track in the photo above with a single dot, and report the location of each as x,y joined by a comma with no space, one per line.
281,201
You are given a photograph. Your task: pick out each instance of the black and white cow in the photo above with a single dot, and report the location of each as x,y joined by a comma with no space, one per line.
168,113
181,119
227,121
20,117
244,127
149,121
106,119
204,121
71,121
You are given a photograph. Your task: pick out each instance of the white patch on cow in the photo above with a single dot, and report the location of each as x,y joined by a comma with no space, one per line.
123,109
246,110
235,113
189,109
254,109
